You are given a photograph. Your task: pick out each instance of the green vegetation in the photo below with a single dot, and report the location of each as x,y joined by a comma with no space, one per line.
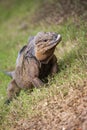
15,27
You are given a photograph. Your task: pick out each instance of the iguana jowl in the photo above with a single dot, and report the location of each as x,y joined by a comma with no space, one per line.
35,61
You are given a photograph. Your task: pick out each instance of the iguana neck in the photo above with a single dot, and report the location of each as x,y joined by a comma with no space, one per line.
29,54
46,61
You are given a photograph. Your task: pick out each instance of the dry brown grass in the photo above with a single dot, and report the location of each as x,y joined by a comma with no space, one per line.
59,112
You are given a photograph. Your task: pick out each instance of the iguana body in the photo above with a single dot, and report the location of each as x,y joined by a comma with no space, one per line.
35,62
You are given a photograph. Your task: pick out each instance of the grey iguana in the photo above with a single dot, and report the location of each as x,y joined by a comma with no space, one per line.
35,61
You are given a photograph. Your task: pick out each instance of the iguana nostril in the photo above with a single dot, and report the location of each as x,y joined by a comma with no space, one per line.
55,36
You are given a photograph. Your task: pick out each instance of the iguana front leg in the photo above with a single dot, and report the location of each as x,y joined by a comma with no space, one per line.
54,68
37,82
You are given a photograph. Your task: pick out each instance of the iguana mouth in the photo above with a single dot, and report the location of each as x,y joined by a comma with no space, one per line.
56,41
58,38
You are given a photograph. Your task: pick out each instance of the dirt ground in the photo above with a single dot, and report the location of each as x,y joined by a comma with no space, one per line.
60,112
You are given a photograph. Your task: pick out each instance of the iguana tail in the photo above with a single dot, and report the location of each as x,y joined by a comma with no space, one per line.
10,74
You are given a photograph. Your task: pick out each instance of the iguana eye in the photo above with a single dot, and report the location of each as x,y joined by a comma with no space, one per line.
45,40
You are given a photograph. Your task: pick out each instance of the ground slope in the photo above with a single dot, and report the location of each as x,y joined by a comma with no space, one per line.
62,104
59,112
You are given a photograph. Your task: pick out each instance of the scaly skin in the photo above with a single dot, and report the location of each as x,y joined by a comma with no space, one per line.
35,62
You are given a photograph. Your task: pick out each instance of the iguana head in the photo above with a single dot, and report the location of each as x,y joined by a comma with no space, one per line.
45,43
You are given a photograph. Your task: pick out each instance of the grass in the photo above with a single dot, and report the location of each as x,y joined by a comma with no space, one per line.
71,54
